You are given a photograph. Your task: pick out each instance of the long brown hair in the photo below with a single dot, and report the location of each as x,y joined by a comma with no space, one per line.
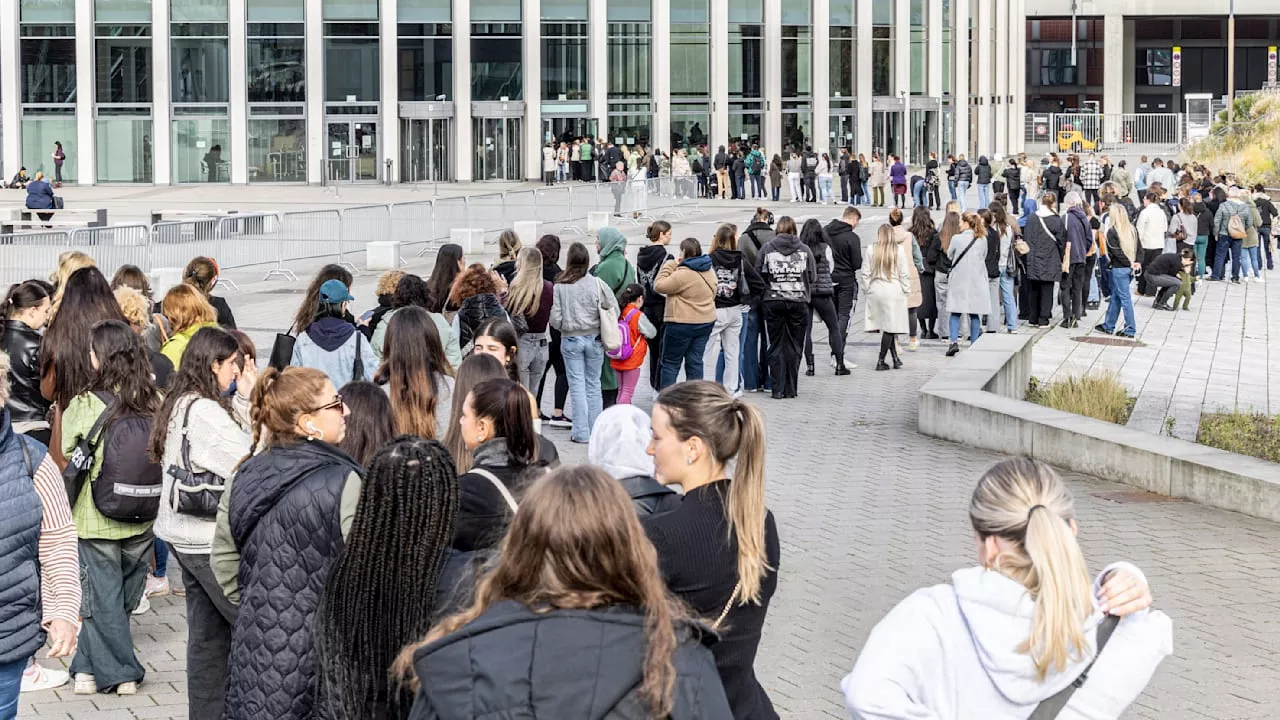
413,365
576,544
310,306
474,370
278,398
950,228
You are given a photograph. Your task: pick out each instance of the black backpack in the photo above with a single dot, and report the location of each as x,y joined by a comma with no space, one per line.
128,485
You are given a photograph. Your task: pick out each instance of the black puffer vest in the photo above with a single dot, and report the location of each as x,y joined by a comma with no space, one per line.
284,517
20,515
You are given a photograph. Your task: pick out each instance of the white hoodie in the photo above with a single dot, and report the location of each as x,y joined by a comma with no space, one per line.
949,652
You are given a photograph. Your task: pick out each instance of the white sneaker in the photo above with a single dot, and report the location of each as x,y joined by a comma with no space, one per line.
143,605
127,688
85,684
1257,279
37,677
156,586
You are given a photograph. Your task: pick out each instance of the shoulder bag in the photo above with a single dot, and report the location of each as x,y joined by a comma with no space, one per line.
193,493
956,263
282,351
1052,706
610,336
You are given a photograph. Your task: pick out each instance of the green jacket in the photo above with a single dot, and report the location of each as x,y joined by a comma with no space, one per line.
616,272
77,420
178,343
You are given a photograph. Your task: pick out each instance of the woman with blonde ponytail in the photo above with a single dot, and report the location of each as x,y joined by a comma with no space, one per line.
1015,636
719,551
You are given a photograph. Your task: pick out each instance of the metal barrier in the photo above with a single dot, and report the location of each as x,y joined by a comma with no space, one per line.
413,223
362,225
245,240
307,235
487,212
31,255
1116,132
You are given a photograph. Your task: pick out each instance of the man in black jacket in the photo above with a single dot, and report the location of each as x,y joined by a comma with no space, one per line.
964,178
809,174
846,260
843,170
1013,184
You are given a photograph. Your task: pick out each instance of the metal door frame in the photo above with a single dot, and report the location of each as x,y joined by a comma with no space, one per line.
347,165
506,153
432,172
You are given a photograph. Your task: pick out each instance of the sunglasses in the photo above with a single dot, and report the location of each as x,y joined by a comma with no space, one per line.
337,404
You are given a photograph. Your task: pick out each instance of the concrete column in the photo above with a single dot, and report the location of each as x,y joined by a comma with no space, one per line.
902,74
531,42
10,88
933,18
598,64
862,84
982,91
317,135
822,81
1017,74
772,121
161,95
463,150
86,139
1113,54
719,72
960,41
237,92
1004,39
660,130
389,90
1128,99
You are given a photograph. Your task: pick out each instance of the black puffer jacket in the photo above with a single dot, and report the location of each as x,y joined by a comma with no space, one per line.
474,312
284,515
483,513
22,345
964,171
512,662
1044,261
983,173
824,285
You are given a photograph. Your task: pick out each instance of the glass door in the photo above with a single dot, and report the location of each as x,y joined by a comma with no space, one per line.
365,137
567,129
842,132
498,144
353,151
424,156
886,132
337,161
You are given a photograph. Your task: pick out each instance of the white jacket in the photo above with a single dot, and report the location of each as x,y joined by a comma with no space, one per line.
1152,225
948,653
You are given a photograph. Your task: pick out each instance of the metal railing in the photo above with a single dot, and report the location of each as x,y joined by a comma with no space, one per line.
1084,132
278,240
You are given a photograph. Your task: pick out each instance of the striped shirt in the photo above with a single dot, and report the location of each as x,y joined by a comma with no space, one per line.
59,558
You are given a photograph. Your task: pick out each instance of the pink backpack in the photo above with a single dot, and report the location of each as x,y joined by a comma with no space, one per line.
624,350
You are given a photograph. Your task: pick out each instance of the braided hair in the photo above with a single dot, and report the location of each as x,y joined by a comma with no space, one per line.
380,594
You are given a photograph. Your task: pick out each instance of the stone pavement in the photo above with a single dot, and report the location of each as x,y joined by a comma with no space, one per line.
1222,355
868,511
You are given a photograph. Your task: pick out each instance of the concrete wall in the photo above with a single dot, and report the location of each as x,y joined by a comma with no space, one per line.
977,401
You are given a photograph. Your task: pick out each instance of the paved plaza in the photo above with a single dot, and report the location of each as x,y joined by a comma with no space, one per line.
869,510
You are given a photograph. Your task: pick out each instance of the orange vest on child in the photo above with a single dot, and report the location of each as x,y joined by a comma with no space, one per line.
639,344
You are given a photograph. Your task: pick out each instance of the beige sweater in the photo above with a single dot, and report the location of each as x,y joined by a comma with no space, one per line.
691,295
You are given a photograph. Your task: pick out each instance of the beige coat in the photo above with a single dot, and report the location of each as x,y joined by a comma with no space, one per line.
691,295
886,306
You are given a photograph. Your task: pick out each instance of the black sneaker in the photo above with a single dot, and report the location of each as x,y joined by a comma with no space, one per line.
953,350
560,421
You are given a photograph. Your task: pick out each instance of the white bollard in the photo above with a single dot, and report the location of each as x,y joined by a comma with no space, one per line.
597,220
164,278
382,255
527,231
471,239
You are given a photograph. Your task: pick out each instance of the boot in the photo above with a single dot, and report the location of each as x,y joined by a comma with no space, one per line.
840,367
809,371
882,365
897,361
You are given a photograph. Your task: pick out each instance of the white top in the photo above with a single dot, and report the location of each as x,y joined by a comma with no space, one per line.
948,652
1151,226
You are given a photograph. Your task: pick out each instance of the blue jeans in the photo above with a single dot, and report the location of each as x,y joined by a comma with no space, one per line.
963,188
755,374
10,687
1227,245
918,193
825,183
975,327
1103,269
162,558
683,344
1006,300
583,360
984,195
1202,245
1121,298
951,188
1251,259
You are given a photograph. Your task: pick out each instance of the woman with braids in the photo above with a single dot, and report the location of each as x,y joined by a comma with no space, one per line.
576,584
200,429
719,550
1023,632
408,501
281,525
416,375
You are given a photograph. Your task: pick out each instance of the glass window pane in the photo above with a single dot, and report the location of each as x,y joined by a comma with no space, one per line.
882,61
426,68
564,68
746,60
200,151
843,12
425,11
633,126
277,72
278,10
881,12
122,11
797,61
689,125
38,136
496,68
843,57
629,11
918,13
496,11
124,150
920,61
123,71
796,12
690,11
200,70
277,150
48,11
564,10
750,12
350,10
198,11
629,66
351,68
690,60
48,68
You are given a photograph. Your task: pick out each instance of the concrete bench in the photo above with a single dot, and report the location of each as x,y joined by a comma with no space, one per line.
66,217
159,216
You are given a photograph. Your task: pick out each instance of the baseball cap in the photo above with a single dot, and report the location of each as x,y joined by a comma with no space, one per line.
333,292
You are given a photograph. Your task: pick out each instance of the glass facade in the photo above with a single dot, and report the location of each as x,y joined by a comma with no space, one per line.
199,58
797,61
564,60
691,60
39,133
201,152
276,62
426,61
351,62
497,66
882,47
124,150
948,33
920,48
746,50
48,63
277,150
122,63
690,123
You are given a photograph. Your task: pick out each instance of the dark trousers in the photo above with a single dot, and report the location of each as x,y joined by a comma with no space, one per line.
935,202
1264,237
825,307
655,353
755,350
1164,284
844,188
757,187
1039,301
1226,245
210,617
1015,194
1091,195
1146,256
1073,288
113,574
846,299
555,360
1104,276
809,184
785,321
683,344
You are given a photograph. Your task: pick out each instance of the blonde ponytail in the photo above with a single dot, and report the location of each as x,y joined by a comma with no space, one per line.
1025,503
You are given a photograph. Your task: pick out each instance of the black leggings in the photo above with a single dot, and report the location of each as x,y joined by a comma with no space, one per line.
888,344
825,306
555,360
914,321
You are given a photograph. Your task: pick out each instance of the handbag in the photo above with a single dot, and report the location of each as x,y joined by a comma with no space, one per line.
610,336
192,493
282,351
357,368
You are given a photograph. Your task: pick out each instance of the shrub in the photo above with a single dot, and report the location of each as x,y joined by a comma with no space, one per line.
1097,395
1255,434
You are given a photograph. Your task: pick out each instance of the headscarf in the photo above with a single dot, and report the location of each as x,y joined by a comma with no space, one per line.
1028,209
619,441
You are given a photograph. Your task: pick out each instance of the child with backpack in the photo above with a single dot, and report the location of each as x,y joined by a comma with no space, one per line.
635,330
115,495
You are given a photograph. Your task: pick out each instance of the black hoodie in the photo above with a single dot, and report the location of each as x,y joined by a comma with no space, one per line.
788,269
757,235
984,171
846,251
731,268
649,260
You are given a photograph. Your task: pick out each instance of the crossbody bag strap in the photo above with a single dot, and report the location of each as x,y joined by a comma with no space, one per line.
1052,706
186,443
493,480
727,606
955,263
26,456
95,432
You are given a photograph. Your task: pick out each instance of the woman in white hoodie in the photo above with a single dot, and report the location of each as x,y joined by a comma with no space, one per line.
1011,634
199,437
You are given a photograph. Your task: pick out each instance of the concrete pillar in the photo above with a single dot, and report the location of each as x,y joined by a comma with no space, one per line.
161,94
933,19
1127,100
982,91
902,76
531,17
237,93
660,129
317,135
86,140
960,41
772,121
598,65
1017,74
1114,51
464,146
862,84
1004,38
389,90
719,73
822,81
10,88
